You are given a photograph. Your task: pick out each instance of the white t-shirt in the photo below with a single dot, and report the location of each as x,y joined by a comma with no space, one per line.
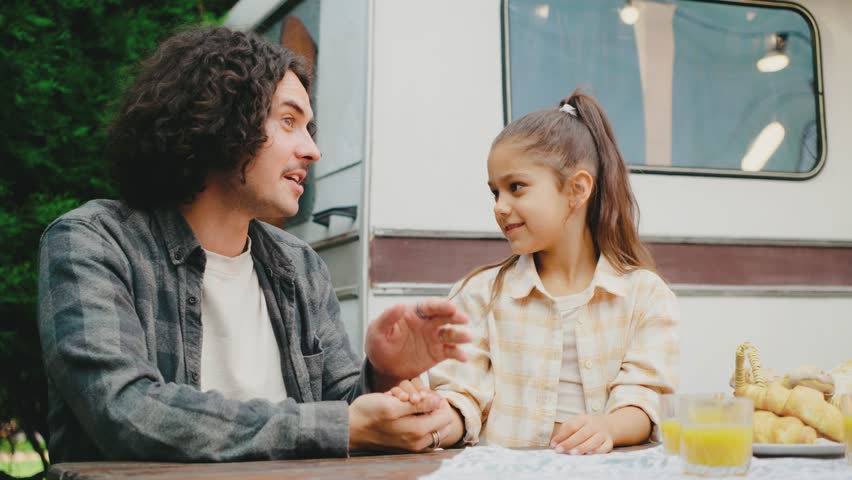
570,400
239,353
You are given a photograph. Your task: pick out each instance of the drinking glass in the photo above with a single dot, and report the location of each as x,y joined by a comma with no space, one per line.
716,434
843,384
670,423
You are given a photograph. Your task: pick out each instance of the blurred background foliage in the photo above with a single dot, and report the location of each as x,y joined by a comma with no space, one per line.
64,64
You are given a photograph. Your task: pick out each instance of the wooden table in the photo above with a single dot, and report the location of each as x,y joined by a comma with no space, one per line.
402,466
360,467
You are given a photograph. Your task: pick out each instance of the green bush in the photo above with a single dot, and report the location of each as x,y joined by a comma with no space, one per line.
64,64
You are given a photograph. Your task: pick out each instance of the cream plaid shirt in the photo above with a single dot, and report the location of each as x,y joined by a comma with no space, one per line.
627,348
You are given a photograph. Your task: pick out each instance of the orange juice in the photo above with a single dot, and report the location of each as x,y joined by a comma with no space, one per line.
671,435
847,425
716,445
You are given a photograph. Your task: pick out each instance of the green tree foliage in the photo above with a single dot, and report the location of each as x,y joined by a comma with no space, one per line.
64,64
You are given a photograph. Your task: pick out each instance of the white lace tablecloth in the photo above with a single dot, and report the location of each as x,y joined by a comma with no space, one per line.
490,462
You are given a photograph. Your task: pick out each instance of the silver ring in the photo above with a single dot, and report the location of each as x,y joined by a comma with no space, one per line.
419,312
436,440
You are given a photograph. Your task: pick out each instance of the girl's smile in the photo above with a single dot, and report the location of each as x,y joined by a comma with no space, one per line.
512,227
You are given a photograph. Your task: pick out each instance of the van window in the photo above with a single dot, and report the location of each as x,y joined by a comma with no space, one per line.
691,87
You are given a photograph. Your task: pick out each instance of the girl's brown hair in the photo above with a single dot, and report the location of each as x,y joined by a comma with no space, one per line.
583,138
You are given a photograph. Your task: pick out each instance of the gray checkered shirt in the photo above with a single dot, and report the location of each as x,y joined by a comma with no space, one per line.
121,328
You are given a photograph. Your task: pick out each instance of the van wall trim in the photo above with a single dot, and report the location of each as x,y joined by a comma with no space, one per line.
431,260
794,291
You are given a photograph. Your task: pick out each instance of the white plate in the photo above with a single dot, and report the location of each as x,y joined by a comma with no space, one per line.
821,448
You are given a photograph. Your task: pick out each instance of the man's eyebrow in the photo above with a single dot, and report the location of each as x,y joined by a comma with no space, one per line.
295,106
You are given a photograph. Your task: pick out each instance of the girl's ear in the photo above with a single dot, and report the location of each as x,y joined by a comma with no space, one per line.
580,187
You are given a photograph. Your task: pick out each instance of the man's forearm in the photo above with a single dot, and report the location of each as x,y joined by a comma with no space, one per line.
171,422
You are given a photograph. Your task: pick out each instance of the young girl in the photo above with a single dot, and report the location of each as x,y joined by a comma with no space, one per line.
575,336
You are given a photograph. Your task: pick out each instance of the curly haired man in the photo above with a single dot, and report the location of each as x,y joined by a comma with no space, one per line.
176,326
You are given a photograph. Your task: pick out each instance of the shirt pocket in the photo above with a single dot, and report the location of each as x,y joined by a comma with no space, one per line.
314,363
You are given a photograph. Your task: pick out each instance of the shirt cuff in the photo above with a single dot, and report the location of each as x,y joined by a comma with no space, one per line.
366,370
323,429
470,413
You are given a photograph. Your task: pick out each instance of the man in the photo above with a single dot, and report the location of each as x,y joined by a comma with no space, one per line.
176,327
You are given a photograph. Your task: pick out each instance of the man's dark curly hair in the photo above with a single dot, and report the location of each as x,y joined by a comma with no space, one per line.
198,105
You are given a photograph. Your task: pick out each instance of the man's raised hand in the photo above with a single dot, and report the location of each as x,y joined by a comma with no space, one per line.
406,340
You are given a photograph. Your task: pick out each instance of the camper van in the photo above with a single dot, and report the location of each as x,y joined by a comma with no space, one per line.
735,118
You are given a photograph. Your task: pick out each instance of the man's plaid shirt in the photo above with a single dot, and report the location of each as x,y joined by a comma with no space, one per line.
121,329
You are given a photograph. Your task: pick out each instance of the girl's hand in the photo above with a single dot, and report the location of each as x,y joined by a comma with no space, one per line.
414,392
583,434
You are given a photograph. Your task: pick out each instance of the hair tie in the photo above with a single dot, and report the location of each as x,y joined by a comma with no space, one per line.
569,109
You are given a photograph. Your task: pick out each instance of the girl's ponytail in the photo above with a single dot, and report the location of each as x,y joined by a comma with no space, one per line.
613,214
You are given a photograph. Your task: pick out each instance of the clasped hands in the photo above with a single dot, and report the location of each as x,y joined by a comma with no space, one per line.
403,342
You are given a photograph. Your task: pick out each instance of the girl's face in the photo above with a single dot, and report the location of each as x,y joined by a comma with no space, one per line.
530,208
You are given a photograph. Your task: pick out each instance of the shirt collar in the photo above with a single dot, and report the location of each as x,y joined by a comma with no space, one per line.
608,278
178,235
523,278
182,243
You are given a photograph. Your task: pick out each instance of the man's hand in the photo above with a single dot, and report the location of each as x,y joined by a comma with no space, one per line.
406,340
379,421
583,434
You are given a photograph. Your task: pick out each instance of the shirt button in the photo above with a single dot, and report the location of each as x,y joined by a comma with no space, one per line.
192,300
587,364
178,255
194,376
596,406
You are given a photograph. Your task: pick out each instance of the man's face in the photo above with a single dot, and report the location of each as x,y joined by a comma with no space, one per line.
274,177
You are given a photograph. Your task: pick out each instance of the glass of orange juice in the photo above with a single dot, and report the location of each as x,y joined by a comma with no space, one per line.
846,407
670,423
716,434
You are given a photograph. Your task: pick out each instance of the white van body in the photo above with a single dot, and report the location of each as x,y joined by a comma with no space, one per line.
410,94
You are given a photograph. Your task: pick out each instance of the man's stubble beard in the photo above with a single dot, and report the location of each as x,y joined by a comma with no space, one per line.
246,199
